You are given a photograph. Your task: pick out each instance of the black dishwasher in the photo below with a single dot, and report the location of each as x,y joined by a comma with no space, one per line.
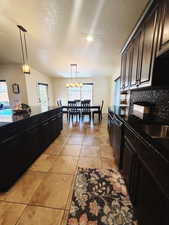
115,137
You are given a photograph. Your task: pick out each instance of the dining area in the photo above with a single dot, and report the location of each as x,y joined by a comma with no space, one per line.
80,110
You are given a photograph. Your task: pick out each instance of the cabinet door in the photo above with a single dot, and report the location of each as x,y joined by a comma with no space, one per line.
164,45
12,160
45,135
147,45
123,70
33,143
129,57
129,157
135,62
151,205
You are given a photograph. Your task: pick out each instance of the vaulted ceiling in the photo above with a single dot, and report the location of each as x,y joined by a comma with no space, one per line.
57,31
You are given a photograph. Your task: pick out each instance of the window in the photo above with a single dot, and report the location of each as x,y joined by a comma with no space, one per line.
74,93
4,99
43,95
117,92
77,93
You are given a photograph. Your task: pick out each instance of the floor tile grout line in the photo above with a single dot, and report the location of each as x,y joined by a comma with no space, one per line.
12,202
20,215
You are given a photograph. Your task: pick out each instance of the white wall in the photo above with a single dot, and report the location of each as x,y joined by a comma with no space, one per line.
32,81
12,74
101,90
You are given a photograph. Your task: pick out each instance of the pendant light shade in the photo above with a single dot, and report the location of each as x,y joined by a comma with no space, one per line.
26,69
75,83
24,49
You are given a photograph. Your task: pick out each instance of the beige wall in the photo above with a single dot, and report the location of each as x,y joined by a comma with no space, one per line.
32,81
12,74
101,90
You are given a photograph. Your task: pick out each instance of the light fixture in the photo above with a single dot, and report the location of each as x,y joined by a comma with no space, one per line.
75,83
89,38
25,66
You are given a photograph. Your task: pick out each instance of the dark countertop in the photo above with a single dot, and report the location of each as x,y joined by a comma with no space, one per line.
11,117
153,151
161,145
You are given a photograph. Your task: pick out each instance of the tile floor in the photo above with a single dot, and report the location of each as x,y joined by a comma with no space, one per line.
42,196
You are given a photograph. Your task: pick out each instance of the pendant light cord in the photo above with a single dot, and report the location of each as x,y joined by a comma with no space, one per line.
23,57
26,50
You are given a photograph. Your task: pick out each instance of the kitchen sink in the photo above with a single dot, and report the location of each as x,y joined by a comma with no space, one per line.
156,130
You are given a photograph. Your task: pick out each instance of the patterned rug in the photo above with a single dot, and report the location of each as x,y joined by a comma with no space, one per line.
100,198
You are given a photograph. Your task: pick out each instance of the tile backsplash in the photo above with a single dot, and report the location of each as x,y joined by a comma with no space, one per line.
158,97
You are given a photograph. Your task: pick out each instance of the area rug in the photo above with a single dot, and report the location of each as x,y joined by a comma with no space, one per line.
100,198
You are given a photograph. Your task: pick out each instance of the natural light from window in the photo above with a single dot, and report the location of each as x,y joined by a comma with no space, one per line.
4,99
77,93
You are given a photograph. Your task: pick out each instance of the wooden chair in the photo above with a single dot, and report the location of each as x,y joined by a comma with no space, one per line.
86,110
59,103
73,111
99,112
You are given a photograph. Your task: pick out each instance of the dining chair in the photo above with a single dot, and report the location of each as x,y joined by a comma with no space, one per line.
64,111
85,110
99,112
73,111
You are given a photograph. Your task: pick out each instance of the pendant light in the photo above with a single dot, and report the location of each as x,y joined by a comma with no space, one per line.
75,83
22,33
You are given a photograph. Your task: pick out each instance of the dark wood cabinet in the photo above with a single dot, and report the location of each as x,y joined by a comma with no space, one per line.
26,140
129,58
141,66
145,173
150,204
135,62
126,68
129,156
148,48
164,26
123,71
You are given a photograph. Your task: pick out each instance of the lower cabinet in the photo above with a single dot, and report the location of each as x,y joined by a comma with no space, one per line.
150,202
12,159
19,151
151,205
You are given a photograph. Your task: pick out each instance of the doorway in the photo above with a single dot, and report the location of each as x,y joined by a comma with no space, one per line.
43,95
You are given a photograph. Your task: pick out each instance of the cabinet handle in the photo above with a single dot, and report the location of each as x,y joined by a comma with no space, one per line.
45,124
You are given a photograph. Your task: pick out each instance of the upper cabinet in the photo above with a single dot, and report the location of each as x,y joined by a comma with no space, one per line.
129,58
148,47
123,71
143,68
126,68
136,61
164,28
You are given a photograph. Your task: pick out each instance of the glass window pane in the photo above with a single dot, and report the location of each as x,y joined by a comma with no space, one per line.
87,92
4,99
74,93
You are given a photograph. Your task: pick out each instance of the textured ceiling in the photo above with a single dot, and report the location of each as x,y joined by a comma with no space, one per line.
57,32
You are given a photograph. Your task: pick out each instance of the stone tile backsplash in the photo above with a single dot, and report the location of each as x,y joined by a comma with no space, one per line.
158,97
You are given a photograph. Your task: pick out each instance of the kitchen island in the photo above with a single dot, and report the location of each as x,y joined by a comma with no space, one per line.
23,138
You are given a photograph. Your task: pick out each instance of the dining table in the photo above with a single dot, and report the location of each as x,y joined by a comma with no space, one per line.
96,107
